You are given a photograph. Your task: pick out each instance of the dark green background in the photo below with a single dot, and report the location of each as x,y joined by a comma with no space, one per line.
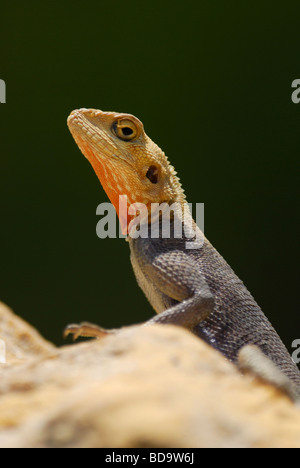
212,83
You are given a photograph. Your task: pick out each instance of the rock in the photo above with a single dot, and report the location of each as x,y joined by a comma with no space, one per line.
157,386
22,341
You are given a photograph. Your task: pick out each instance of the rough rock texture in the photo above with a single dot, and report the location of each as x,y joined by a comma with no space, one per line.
155,386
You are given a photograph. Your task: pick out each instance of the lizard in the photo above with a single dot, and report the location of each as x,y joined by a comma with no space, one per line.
191,287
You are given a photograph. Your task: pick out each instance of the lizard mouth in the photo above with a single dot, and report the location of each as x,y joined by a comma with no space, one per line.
92,130
86,131
80,123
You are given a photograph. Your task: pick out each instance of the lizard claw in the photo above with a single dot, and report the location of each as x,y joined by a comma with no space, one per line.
85,329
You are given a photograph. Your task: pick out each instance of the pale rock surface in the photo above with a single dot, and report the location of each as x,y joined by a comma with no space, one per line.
156,386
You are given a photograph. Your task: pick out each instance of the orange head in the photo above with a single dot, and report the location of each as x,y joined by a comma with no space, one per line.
126,161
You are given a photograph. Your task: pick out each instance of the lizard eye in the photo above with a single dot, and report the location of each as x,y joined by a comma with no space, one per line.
125,129
152,174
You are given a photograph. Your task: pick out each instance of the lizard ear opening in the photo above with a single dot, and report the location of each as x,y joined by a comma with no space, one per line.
152,174
125,129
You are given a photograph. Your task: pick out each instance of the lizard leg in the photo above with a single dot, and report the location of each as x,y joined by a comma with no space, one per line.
86,329
183,289
253,361
187,314
187,287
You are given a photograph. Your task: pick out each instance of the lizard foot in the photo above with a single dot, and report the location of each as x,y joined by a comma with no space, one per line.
86,329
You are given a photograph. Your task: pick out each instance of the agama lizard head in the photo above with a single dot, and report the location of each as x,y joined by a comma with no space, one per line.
126,161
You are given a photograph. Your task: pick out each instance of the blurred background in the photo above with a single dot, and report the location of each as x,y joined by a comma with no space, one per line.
211,82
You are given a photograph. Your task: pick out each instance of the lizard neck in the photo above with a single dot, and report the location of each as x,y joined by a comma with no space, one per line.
168,222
